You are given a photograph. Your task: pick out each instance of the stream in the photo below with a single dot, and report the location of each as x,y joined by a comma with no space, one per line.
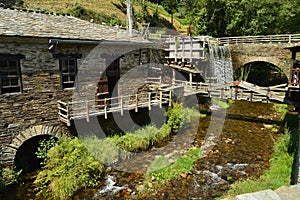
236,143
240,146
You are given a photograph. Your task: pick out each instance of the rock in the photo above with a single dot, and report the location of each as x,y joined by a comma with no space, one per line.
268,126
140,188
261,195
183,175
289,193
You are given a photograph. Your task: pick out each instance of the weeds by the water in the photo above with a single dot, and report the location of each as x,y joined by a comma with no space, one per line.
69,167
162,171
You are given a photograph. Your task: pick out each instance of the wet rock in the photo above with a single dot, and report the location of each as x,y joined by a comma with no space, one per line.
268,126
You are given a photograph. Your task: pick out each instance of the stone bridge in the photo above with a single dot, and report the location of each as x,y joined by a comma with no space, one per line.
271,49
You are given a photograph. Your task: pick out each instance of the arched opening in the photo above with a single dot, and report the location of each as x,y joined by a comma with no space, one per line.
26,158
261,73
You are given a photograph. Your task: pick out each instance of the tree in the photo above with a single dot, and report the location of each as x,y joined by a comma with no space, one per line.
11,3
171,6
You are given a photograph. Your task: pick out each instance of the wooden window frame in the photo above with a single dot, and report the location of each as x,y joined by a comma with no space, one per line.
12,74
68,75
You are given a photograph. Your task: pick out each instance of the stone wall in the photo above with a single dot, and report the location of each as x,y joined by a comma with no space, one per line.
276,54
41,81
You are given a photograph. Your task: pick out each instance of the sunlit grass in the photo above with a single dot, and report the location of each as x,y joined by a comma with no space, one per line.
161,171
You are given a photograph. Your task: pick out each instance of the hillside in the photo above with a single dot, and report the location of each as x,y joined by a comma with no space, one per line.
108,11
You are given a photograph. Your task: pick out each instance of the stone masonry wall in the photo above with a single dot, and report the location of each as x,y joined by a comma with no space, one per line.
276,54
41,82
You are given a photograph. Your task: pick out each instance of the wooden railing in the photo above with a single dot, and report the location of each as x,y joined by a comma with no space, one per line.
162,94
285,38
87,108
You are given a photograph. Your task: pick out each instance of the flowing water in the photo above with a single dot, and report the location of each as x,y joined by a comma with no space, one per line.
240,146
220,65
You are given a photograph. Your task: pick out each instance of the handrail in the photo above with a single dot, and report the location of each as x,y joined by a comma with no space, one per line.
283,38
127,102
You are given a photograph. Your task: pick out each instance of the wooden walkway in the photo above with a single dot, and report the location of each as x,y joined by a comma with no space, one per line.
162,94
85,109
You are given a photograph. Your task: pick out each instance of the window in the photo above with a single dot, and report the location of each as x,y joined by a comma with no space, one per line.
10,73
68,69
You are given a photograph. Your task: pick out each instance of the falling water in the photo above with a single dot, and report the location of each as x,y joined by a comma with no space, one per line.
220,65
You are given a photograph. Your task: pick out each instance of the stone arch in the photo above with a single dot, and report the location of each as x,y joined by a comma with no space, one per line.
12,148
276,54
262,73
275,61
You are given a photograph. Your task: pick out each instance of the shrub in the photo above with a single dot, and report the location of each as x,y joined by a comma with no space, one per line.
69,166
43,148
175,117
8,176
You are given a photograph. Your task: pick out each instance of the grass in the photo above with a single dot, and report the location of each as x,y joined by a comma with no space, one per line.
221,103
162,171
61,6
110,12
109,150
278,175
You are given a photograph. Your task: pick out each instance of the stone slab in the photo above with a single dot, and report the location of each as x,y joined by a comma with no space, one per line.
261,195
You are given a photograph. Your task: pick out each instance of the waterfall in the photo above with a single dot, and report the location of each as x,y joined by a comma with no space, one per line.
220,65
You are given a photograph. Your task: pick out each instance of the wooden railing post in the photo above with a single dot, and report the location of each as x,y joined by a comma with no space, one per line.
136,102
251,95
121,105
68,114
160,99
170,97
105,108
149,100
87,111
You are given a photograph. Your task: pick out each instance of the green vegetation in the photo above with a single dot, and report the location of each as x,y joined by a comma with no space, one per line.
282,109
162,171
72,164
261,73
69,167
203,17
278,174
221,103
8,176
42,150
109,150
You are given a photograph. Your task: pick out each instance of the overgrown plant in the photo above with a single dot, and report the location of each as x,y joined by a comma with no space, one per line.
8,176
43,148
69,167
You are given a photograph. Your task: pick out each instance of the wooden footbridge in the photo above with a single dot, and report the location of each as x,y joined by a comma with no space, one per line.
160,94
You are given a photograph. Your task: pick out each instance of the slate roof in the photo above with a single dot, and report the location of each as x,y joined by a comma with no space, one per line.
32,24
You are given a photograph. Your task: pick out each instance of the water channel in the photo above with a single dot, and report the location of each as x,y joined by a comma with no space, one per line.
242,147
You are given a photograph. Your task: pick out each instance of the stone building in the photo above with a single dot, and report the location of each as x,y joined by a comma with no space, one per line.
43,57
